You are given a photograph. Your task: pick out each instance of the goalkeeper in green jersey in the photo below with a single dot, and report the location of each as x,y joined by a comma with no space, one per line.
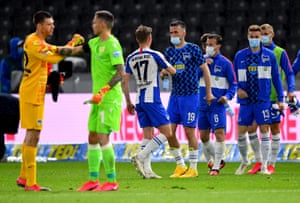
107,67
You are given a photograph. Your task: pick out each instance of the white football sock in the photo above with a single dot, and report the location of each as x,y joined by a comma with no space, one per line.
255,145
208,150
219,154
178,156
147,161
152,145
243,147
265,148
275,148
193,156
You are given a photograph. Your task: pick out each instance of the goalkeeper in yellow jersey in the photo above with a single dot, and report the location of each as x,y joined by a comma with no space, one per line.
37,54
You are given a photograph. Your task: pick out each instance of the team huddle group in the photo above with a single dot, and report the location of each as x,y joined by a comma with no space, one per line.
203,81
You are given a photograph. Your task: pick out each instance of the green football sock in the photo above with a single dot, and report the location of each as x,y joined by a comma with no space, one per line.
109,162
94,156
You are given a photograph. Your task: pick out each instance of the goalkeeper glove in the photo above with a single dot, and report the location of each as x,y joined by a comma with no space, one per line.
76,40
294,106
97,98
275,111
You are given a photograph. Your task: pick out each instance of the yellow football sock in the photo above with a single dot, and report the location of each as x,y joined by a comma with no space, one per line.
30,163
23,167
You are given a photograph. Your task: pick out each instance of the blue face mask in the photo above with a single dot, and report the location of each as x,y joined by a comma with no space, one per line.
175,40
254,42
265,39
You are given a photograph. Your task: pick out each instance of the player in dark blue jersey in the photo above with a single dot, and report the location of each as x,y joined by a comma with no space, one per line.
286,75
144,64
256,70
188,60
213,117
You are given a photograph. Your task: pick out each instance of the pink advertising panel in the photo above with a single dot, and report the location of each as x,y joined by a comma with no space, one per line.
65,122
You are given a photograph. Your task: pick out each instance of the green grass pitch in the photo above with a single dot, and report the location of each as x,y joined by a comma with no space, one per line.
65,177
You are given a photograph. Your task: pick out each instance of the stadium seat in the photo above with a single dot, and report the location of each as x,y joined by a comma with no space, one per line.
278,16
257,16
293,47
260,5
241,5
214,6
229,49
236,18
232,32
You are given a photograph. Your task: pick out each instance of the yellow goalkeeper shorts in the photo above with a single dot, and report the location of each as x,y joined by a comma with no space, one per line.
31,115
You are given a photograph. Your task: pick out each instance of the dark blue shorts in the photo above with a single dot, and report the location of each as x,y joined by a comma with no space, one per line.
152,114
213,118
184,110
259,112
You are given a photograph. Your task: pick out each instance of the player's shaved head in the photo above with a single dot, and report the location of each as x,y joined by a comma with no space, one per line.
107,17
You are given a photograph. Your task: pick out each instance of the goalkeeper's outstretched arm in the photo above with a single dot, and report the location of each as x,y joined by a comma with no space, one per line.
70,51
73,47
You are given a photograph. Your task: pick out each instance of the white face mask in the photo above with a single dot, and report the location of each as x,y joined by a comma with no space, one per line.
210,50
175,40
254,42
265,39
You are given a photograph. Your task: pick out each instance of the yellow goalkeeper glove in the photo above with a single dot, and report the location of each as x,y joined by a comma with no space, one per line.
76,40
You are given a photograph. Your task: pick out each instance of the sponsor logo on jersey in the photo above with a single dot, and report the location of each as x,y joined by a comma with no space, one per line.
116,54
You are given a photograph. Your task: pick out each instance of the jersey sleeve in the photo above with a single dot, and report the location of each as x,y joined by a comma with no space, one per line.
44,51
116,54
161,60
231,80
127,67
276,78
198,55
288,70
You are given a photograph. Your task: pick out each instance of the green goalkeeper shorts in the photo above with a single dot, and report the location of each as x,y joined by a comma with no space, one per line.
105,118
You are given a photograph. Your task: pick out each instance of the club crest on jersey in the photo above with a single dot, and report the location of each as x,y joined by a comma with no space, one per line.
186,55
217,69
101,49
265,58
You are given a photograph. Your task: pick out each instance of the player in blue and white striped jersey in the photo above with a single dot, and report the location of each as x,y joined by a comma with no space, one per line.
213,117
145,64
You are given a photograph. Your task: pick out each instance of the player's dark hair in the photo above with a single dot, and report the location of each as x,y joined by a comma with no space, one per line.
203,38
218,38
107,16
142,33
40,16
176,22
